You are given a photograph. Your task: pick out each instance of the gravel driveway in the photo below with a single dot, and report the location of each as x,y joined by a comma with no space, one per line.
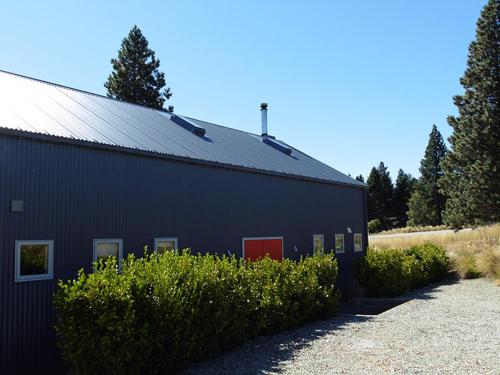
453,328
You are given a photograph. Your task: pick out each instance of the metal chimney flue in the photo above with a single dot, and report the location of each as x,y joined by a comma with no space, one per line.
263,113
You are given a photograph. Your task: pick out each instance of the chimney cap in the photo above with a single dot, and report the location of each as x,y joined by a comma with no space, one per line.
263,106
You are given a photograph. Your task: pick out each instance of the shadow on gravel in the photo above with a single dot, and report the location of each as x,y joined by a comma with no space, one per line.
376,306
264,354
369,306
430,291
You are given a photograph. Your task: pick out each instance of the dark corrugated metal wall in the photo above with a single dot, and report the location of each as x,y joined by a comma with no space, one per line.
75,194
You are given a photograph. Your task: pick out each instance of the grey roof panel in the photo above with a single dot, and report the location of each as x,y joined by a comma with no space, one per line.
35,106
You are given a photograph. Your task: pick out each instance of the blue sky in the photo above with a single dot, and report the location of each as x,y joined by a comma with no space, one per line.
351,83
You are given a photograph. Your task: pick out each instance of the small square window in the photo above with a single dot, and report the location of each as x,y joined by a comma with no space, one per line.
358,242
339,243
318,243
105,248
165,244
34,260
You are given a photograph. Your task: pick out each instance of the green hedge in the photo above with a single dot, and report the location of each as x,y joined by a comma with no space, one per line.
390,272
164,310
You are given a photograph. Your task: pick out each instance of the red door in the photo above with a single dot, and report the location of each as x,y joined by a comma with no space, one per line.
259,248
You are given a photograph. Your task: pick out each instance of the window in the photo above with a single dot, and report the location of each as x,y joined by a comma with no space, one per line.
164,244
34,260
318,243
339,243
358,244
106,248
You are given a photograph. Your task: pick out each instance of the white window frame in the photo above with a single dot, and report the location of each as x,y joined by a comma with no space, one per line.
361,242
50,262
322,240
159,239
109,240
343,243
262,238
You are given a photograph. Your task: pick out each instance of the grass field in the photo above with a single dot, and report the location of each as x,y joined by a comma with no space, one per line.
413,229
473,253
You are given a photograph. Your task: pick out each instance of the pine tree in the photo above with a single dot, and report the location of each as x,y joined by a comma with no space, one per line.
472,167
387,190
360,178
373,197
402,192
135,77
379,195
419,213
431,172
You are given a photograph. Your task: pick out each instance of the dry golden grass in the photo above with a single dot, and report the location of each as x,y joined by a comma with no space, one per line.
488,262
473,252
428,228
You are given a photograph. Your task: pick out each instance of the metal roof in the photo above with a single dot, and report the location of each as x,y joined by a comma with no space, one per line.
33,107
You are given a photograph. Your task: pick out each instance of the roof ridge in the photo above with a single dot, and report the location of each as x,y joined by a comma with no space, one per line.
119,100
78,90
256,157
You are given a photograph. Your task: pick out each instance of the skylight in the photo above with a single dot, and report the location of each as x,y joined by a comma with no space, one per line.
277,145
188,125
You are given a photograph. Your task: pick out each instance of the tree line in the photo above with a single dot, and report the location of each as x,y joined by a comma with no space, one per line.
408,201
459,187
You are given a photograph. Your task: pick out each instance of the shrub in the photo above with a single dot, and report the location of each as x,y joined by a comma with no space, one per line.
433,263
374,226
163,310
390,272
385,272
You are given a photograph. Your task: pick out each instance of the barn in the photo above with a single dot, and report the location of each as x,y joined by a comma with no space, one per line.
84,176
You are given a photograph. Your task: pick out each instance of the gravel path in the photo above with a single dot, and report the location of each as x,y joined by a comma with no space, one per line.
452,328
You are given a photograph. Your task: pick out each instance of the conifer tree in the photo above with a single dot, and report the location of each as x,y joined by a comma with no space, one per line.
430,174
402,192
472,167
379,195
360,178
419,213
387,190
373,196
136,77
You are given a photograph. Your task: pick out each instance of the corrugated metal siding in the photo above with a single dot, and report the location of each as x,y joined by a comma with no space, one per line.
75,194
42,108
25,308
